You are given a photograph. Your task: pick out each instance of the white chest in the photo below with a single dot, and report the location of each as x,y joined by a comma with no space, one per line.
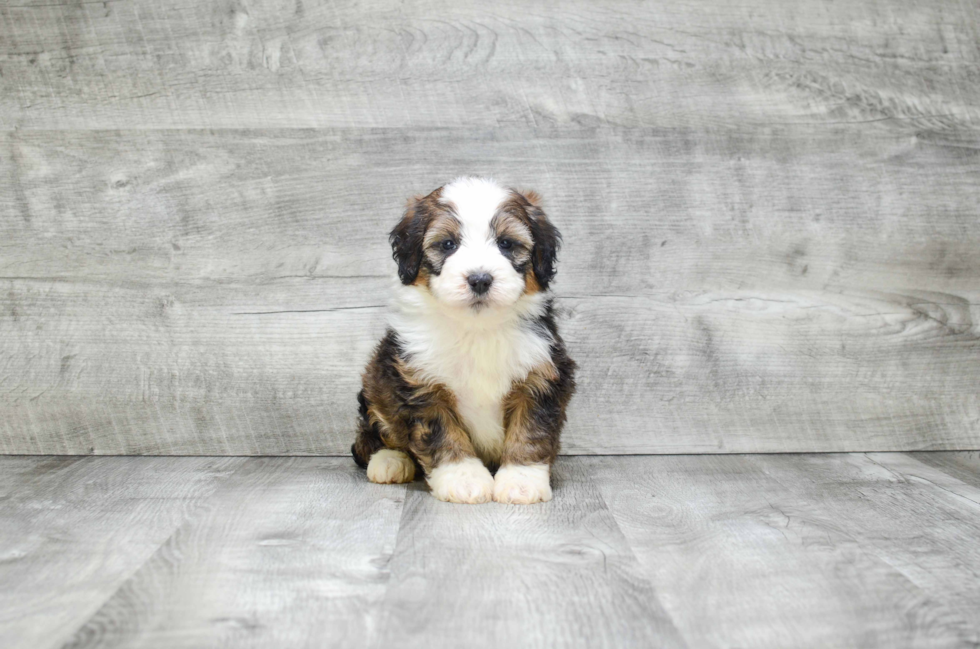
480,371
479,366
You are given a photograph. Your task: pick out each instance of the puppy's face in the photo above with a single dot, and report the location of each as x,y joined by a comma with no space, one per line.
476,245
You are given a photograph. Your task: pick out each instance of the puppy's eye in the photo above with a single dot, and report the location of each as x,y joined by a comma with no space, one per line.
505,244
448,245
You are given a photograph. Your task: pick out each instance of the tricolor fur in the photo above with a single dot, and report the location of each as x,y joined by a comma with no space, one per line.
471,374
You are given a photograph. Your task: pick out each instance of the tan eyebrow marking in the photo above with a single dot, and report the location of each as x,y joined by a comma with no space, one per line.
442,227
510,225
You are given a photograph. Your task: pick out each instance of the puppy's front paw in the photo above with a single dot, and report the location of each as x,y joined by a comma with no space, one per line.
466,482
390,467
518,484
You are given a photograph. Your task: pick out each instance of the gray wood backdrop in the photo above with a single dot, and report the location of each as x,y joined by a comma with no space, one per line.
770,210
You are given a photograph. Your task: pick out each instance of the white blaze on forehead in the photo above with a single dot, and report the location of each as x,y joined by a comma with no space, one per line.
475,201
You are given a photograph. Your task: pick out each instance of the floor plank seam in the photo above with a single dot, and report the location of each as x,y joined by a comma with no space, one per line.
632,554
124,583
958,496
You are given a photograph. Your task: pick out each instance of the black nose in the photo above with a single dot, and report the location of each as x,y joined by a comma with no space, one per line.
480,282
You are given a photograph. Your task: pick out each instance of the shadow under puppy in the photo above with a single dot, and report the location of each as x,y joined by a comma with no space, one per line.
471,374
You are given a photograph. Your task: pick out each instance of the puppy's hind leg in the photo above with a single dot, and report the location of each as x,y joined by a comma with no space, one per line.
368,439
384,465
388,466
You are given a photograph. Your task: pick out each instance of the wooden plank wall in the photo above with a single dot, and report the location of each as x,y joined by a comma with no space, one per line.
771,213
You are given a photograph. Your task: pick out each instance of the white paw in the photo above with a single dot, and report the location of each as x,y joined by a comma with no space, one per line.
390,467
517,484
466,482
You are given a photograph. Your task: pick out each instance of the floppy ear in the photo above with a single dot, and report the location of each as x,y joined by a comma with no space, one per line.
406,241
547,240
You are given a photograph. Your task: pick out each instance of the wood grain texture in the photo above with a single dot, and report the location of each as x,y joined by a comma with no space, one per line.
796,288
962,466
829,550
289,552
231,64
73,531
930,538
557,574
797,550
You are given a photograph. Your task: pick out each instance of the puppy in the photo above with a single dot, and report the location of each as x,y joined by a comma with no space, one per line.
471,374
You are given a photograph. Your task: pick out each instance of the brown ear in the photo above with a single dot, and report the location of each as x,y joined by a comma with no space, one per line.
547,239
408,236
531,197
406,240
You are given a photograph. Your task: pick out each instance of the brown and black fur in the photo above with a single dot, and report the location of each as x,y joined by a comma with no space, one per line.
399,410
534,410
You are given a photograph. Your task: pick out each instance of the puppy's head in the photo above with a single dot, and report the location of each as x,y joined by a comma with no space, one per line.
475,244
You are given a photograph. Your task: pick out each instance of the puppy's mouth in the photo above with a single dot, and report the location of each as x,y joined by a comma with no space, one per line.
479,302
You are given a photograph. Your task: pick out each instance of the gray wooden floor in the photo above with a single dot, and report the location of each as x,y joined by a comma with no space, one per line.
830,550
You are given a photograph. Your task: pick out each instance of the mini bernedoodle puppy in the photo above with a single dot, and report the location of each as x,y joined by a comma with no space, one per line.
471,374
